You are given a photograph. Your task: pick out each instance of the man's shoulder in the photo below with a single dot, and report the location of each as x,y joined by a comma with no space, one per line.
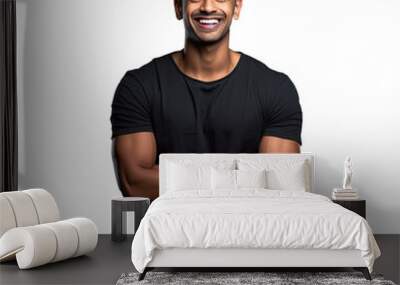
148,70
262,71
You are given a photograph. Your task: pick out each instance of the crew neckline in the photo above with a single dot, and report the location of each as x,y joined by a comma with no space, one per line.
207,82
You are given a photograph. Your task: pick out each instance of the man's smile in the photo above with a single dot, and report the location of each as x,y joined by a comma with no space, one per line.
207,23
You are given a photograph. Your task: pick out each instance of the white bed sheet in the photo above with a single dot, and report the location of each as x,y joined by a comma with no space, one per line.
250,218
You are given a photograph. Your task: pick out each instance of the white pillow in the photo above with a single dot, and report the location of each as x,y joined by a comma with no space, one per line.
251,178
220,163
288,179
223,179
187,177
192,173
235,179
282,174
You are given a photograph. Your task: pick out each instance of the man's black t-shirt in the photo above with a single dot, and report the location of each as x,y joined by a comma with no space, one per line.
229,115
204,93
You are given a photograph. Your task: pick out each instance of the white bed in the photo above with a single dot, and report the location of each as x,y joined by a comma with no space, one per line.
249,227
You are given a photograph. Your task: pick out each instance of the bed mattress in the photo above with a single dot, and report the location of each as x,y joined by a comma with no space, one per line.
252,219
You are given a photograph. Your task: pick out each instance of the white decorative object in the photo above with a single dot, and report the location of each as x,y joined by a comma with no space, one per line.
347,192
32,232
348,173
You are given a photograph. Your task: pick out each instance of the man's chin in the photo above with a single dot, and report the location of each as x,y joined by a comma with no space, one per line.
207,40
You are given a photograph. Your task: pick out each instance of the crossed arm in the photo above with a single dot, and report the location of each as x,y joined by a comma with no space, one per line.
136,155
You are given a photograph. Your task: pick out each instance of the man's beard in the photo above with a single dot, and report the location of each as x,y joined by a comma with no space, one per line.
196,39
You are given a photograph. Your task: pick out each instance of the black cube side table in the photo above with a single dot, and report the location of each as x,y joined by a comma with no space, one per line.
119,207
357,206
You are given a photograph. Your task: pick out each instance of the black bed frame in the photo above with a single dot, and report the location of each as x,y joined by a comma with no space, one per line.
364,270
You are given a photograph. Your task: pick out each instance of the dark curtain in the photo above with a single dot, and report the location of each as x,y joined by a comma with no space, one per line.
8,97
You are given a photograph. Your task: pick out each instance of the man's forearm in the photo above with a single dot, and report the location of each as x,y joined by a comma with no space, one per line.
143,183
270,144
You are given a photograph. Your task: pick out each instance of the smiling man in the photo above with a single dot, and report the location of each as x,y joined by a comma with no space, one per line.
205,98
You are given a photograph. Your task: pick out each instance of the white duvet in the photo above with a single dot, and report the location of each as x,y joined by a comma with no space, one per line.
251,218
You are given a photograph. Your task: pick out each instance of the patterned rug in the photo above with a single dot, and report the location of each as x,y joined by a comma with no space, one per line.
269,278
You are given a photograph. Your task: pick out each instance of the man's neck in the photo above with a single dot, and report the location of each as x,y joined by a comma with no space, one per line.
207,62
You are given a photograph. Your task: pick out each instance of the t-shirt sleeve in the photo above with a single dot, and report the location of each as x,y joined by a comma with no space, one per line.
130,108
285,115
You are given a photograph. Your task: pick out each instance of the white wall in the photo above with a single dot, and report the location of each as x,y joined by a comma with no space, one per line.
342,56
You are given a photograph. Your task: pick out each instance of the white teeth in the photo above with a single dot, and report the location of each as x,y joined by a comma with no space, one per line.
209,21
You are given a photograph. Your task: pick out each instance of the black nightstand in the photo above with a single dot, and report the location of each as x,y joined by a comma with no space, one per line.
119,207
357,206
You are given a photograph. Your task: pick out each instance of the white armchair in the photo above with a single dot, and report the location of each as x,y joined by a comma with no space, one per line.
32,233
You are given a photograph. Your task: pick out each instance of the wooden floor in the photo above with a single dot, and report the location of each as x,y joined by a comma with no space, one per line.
111,259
